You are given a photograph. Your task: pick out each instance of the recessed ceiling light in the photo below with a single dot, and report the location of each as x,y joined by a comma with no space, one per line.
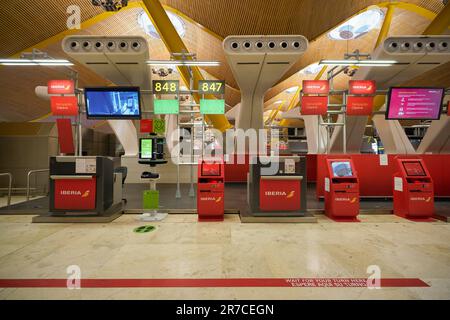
291,90
313,68
358,26
147,24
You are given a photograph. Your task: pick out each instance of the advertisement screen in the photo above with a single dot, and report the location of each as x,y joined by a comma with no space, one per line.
414,103
210,169
113,103
413,169
146,148
342,169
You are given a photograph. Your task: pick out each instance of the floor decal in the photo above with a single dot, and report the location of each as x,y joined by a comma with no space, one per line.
212,283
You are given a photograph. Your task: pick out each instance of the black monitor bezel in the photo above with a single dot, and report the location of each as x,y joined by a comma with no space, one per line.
116,89
388,103
153,148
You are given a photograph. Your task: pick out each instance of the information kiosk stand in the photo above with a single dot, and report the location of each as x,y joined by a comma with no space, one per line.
413,190
210,190
83,186
277,188
341,190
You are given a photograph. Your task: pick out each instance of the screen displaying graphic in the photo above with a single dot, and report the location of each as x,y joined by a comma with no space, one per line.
342,169
146,148
413,169
210,169
414,103
113,103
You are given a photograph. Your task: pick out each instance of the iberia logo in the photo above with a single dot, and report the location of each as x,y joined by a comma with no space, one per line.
353,200
428,199
291,194
85,194
218,199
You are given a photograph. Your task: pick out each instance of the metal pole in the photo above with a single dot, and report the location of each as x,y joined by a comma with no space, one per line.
191,189
9,186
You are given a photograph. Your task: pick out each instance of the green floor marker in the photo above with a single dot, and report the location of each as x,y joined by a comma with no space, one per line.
144,229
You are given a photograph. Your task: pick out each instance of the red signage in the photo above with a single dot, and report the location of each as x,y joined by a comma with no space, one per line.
283,195
146,125
316,86
359,106
362,87
65,136
64,106
73,194
60,87
314,105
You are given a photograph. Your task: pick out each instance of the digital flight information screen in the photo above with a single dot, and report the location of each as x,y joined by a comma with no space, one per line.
113,103
414,103
342,169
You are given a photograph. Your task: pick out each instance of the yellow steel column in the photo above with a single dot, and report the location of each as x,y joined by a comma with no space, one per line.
174,44
440,23
386,24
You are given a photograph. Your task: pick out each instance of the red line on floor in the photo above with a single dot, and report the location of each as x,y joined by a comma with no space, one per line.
210,283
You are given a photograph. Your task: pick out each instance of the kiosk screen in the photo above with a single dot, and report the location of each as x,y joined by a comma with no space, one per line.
414,169
210,169
342,169
146,148
113,103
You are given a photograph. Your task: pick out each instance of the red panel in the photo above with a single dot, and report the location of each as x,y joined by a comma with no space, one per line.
311,167
64,106
279,195
314,105
359,106
65,136
361,87
315,86
376,180
60,87
237,172
73,194
146,125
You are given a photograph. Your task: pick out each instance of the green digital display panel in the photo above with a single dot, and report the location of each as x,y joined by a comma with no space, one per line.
165,86
169,106
146,149
211,86
212,106
159,126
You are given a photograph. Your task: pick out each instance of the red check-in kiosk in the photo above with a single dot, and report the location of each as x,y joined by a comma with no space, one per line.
210,190
341,190
413,189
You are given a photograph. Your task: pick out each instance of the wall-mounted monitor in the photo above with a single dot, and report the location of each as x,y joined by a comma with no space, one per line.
146,148
113,103
414,169
414,103
342,169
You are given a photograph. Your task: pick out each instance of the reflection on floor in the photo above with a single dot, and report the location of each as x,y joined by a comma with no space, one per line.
180,247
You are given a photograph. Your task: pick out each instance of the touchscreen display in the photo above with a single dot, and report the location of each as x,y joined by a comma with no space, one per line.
342,169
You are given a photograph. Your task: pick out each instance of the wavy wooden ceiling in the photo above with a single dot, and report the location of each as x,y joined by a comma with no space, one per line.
26,23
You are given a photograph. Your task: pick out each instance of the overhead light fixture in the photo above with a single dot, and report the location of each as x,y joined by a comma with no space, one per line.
182,63
361,63
36,62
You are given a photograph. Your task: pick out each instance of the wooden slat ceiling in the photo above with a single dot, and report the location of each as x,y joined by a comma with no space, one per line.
24,26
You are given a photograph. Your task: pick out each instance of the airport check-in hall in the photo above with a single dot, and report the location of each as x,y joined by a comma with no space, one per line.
230,150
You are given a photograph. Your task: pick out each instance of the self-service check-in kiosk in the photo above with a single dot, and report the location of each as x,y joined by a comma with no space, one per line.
413,189
277,186
210,190
84,186
341,190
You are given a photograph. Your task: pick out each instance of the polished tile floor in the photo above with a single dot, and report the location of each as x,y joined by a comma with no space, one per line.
182,248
